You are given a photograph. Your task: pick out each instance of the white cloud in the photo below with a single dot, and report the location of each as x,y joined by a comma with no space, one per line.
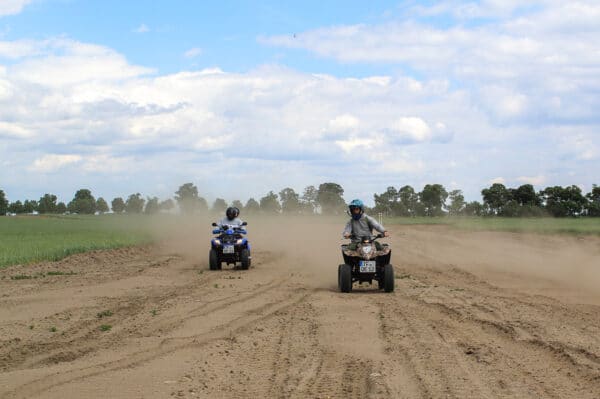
351,145
135,128
106,164
143,28
498,180
193,52
69,62
343,123
15,131
412,128
21,48
53,162
11,7
583,147
534,180
537,63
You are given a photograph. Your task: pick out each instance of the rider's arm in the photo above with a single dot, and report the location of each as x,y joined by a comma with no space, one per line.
377,226
347,230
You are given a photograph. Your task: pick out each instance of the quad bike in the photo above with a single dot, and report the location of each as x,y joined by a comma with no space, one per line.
229,246
365,264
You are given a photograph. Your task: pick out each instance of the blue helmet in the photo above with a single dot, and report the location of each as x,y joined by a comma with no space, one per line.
356,203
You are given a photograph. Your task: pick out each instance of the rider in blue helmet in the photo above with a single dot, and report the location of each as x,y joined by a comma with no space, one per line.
361,224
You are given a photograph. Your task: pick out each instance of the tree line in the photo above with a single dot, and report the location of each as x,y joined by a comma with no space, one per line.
327,198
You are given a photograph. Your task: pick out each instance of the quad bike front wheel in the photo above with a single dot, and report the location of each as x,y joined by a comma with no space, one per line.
388,278
245,258
213,260
345,280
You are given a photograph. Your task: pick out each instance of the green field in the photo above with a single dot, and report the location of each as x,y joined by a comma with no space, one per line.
525,225
29,239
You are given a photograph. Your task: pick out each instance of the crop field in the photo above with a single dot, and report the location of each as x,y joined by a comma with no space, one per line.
521,225
30,239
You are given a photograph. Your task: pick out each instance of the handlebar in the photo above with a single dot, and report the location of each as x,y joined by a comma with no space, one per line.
365,238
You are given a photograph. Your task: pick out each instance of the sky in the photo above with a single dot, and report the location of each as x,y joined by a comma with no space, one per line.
243,97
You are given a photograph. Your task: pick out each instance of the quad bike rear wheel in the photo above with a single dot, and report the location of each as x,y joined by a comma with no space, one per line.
345,278
213,260
245,258
388,278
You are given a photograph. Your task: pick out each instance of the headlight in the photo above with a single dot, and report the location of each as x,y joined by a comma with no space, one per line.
217,241
367,249
239,241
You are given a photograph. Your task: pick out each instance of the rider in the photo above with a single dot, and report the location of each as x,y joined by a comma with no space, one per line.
361,225
231,217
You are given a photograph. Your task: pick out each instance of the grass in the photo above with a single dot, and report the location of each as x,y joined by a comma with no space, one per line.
105,313
21,277
29,239
59,273
105,327
521,225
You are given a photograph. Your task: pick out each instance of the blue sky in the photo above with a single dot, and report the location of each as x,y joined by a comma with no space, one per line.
240,98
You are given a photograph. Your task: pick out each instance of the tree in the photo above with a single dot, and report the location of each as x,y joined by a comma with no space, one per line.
561,202
83,202
290,200
474,208
238,204
593,205
496,197
525,195
329,198
101,205
269,203
309,200
16,207
457,202
118,205
61,208
152,206
219,206
187,198
433,197
166,205
3,203
387,202
252,206
30,206
47,204
408,201
135,203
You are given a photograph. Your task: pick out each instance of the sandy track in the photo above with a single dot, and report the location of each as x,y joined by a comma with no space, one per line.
481,315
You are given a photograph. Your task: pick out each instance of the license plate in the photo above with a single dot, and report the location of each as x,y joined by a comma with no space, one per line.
367,266
228,249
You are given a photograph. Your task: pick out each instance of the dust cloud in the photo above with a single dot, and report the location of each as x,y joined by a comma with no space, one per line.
561,266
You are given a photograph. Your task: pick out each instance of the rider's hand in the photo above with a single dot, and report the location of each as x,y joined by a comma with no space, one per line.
386,234
346,235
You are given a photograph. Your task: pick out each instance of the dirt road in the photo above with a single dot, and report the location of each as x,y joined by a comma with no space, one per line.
474,315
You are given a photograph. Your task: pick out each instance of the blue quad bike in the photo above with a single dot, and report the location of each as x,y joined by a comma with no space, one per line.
365,264
229,246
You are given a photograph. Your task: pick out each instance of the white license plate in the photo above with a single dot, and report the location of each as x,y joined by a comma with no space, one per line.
228,249
367,266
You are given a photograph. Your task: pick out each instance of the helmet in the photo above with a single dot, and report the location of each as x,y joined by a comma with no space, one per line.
232,212
356,203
